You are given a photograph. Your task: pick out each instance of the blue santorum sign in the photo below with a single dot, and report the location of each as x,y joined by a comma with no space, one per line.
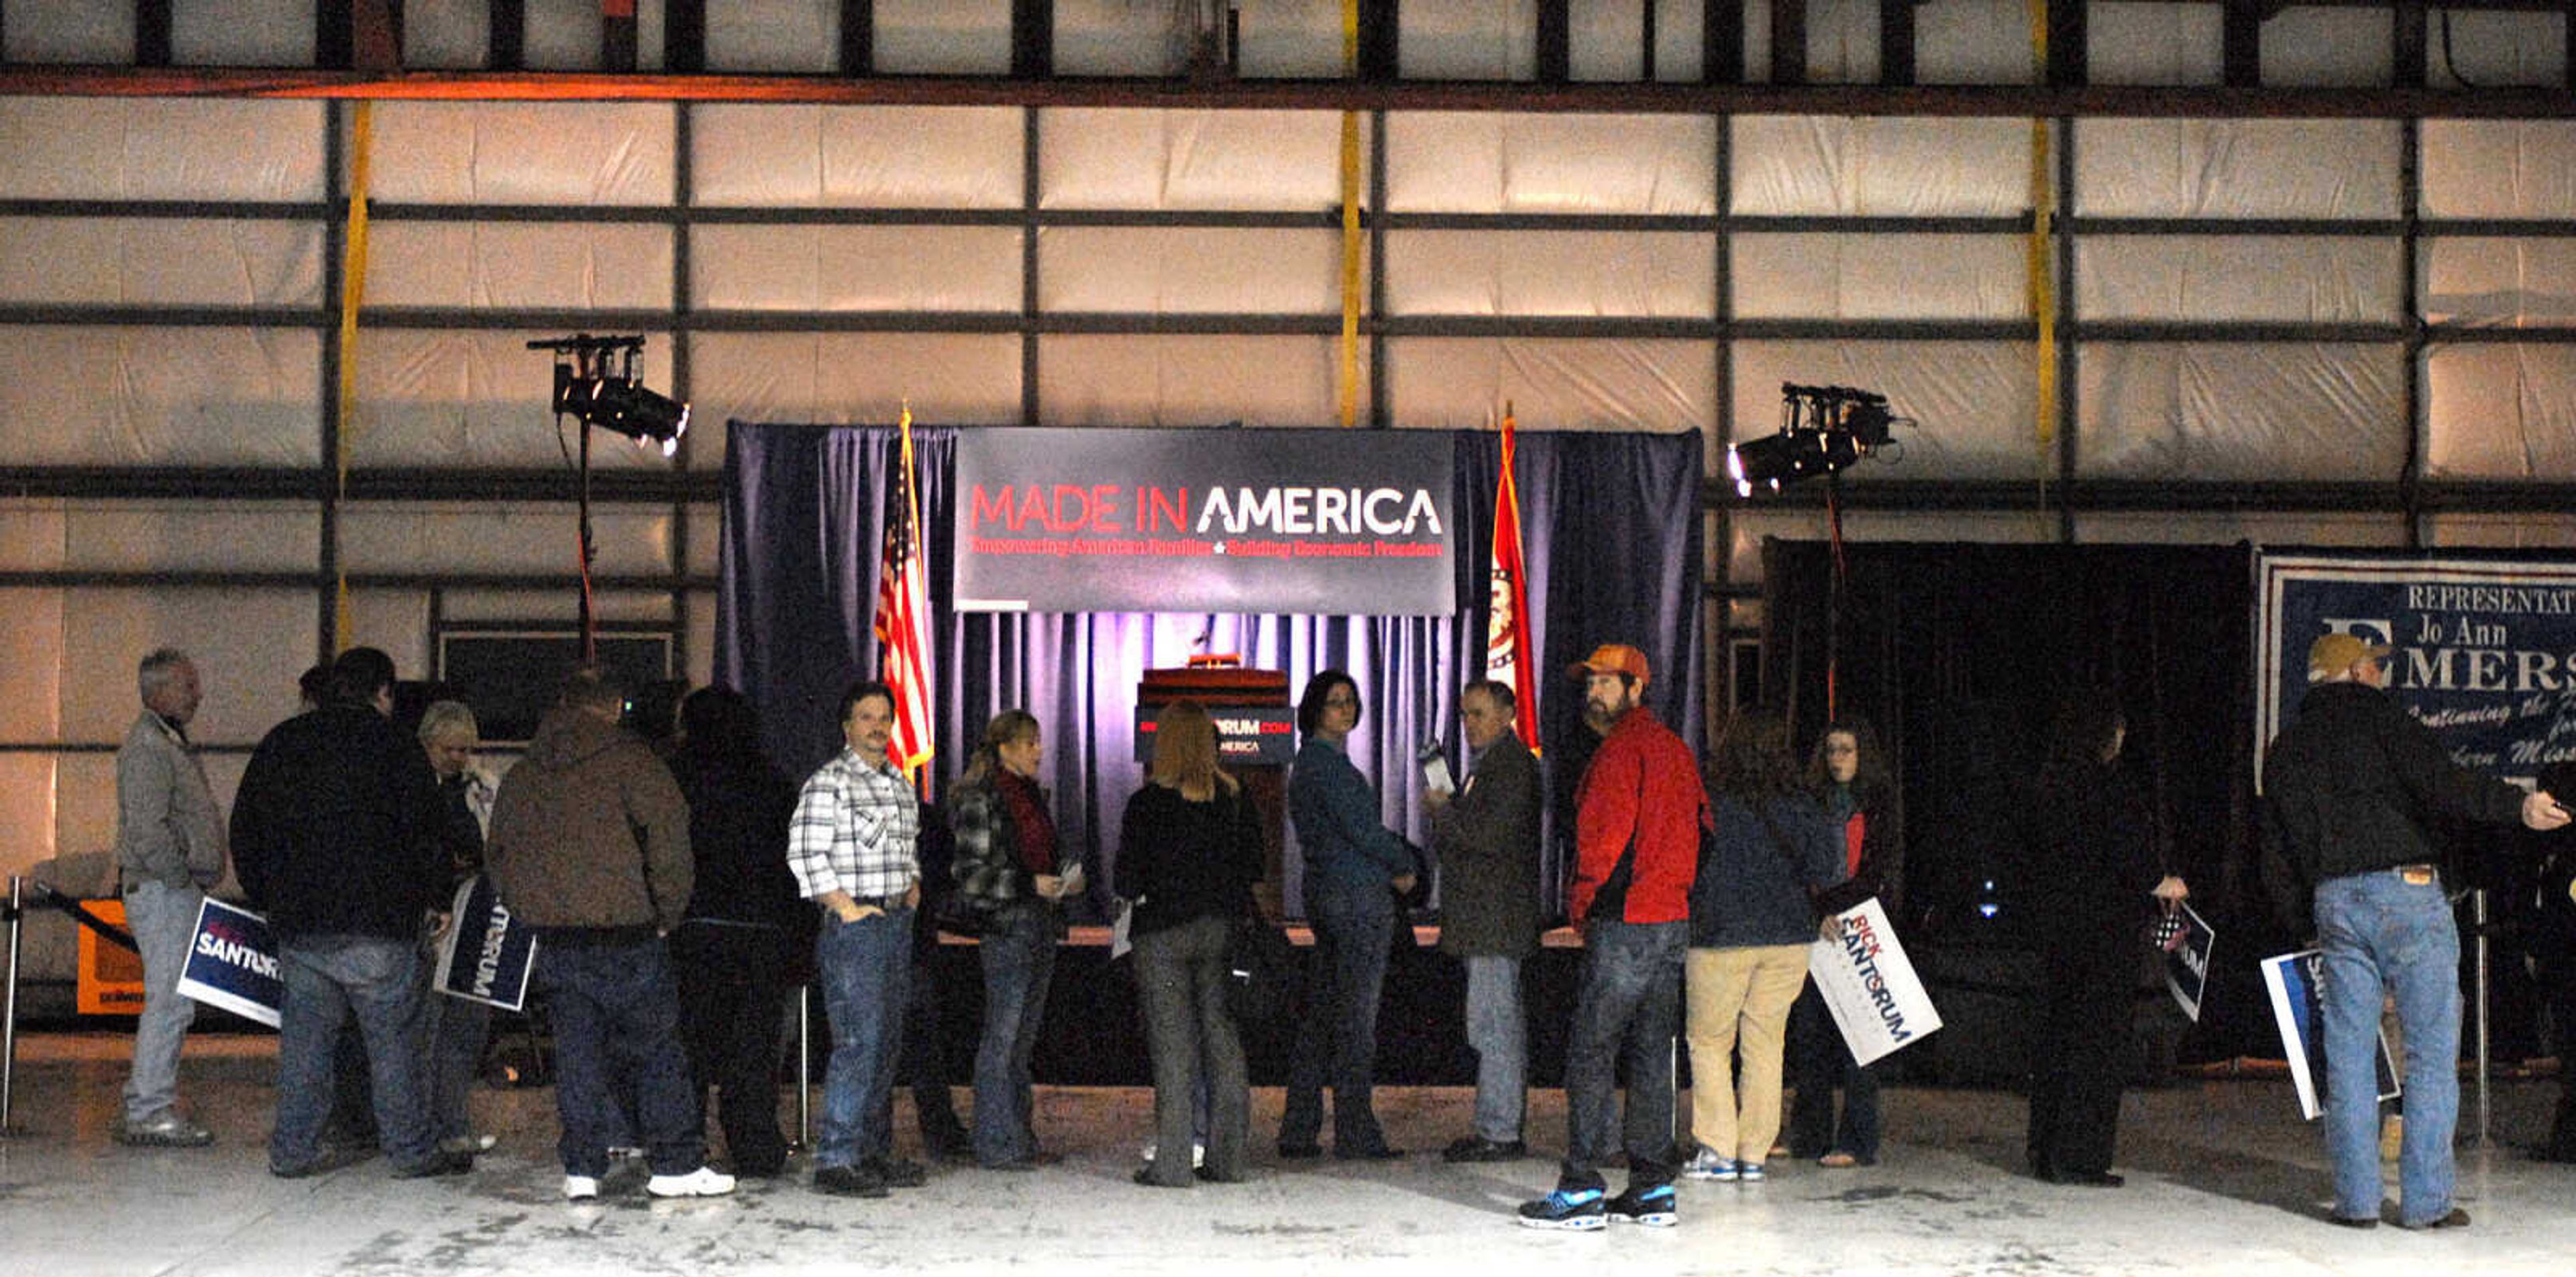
1227,520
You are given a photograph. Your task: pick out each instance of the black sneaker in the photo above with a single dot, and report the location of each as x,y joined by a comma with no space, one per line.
437,1165
1476,1148
898,1173
849,1181
1652,1207
1578,1210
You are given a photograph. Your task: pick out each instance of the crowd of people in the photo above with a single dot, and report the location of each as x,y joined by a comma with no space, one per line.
676,894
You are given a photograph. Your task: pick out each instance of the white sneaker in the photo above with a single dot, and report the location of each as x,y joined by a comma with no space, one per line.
581,1188
702,1182
1198,1154
1706,1165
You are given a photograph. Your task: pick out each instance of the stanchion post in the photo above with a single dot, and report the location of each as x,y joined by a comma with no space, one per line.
2478,915
805,1066
9,1024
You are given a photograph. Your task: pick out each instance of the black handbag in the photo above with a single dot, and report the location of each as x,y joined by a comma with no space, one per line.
1261,970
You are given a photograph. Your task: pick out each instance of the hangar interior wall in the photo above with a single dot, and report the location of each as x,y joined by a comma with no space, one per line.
2310,301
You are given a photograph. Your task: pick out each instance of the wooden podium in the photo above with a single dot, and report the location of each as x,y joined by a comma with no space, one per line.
1256,739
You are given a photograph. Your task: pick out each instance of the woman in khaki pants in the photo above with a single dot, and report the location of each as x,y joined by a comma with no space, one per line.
1749,929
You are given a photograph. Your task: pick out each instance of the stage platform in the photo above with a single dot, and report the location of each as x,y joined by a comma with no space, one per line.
2222,1179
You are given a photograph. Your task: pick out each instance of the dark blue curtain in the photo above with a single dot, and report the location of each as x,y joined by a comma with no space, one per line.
1611,524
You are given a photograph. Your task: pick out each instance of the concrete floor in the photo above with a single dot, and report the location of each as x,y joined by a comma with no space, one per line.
2222,1178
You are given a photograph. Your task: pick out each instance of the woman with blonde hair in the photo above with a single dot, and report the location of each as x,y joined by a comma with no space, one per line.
1189,853
1013,879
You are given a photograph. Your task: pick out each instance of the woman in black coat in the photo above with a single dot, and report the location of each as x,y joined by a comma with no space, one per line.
2094,885
1849,775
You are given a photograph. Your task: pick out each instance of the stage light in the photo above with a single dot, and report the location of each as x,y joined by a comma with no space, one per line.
1822,430
621,405
1774,461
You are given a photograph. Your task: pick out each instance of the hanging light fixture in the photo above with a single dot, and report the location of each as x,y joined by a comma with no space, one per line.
1822,430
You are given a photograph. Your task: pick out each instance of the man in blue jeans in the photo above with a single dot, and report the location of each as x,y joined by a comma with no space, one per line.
2348,789
590,848
853,847
169,850
1637,819
335,832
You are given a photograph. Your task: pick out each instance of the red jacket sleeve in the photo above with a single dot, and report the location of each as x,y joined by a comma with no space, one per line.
1605,819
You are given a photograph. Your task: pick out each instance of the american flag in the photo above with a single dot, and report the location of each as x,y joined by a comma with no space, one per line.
903,619
1507,641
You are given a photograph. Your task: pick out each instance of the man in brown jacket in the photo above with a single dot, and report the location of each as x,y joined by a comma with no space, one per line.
590,848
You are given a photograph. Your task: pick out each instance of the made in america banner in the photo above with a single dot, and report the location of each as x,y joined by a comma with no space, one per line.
1331,522
2484,649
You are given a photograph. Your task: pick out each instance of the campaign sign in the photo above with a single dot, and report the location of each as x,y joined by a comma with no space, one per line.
1869,985
2187,959
2483,651
486,955
1217,520
232,964
2291,979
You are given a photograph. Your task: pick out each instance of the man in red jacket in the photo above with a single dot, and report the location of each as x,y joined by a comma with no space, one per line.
1636,828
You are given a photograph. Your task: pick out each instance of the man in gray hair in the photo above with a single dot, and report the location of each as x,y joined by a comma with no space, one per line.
169,850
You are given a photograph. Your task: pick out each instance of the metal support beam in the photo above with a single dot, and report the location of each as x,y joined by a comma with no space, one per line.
1380,49
152,33
858,36
1556,41
2069,65
2406,21
507,41
1032,39
2240,43
1788,41
684,36
1896,42
617,35
1721,39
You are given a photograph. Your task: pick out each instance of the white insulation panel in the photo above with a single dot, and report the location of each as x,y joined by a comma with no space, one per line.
1972,402
1125,158
2489,50
1494,162
490,536
1974,42
242,33
31,665
159,149
1124,37
2236,168
1467,39
2551,530
943,37
2491,283
2159,44
2245,278
1878,276
1842,41
1626,274
2499,169
838,156
54,31
1607,42
2308,46
789,36
157,261
248,646
519,265
855,268
1160,380
571,153
396,621
1793,165
1444,383
2245,412
1290,39
2500,412
842,378
48,535
449,35
1173,271
435,399
160,397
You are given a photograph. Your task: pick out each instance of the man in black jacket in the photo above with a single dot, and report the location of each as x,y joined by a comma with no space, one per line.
335,832
2348,791
1487,838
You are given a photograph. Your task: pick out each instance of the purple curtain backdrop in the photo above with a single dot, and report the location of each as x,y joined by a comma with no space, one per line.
1613,541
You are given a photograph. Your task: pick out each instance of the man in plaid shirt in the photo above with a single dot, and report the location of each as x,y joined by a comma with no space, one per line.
853,848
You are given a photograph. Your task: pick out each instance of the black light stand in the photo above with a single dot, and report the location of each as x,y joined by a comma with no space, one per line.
591,394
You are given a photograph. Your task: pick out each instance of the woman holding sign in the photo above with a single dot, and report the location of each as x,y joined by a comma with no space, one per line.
1849,775
2094,881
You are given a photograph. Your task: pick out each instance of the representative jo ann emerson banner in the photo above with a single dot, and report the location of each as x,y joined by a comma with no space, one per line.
1227,520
